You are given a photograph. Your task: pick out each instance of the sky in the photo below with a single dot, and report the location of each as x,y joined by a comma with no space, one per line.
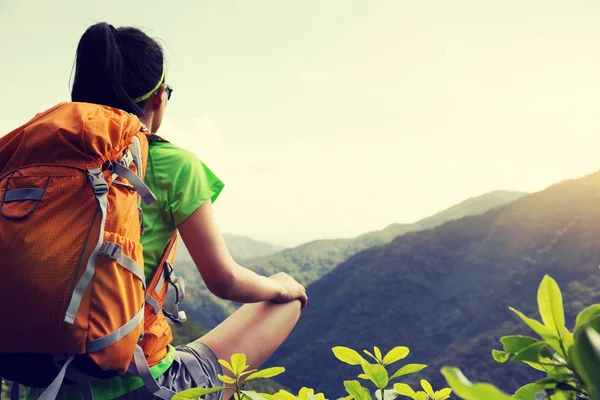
331,118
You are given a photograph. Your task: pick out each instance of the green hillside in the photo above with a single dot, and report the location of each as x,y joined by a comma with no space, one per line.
445,292
240,247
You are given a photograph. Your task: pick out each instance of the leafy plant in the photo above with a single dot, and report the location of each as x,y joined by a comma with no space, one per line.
571,361
377,374
239,369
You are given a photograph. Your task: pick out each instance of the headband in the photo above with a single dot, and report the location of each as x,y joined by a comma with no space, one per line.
144,97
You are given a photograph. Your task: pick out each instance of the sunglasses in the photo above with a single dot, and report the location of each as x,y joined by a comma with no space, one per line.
169,90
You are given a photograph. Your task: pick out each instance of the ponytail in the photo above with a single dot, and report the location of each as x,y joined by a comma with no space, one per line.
114,66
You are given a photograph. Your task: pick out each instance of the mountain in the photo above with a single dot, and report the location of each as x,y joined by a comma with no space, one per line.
240,247
445,292
313,260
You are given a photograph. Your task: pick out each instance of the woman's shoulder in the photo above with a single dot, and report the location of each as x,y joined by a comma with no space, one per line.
171,155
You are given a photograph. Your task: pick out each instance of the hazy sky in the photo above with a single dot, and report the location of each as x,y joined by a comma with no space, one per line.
330,118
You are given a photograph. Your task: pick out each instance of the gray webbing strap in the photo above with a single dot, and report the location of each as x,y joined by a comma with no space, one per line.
140,367
113,337
139,185
192,364
125,161
115,251
100,190
153,303
14,391
23,194
52,391
136,151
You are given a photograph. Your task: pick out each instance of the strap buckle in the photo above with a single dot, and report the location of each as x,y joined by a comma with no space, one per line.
126,159
176,281
111,250
177,316
98,182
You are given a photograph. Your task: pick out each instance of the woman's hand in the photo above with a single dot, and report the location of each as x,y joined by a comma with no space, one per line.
290,289
224,277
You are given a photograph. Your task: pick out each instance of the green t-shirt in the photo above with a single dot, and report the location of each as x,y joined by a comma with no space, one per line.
181,183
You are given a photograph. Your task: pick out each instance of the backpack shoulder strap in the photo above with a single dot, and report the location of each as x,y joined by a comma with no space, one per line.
157,289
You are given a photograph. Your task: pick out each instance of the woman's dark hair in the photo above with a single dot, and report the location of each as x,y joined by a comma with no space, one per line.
114,66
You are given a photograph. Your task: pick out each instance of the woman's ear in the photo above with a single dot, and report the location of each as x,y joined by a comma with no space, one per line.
158,98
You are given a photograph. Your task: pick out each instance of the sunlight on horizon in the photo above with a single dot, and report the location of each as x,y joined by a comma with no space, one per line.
332,119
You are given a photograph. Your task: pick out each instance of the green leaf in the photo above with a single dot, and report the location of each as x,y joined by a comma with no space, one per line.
408,369
266,373
389,394
253,395
586,356
347,355
528,392
560,395
284,395
377,374
421,396
428,389
516,343
250,371
548,382
378,355
267,396
550,304
548,334
404,390
395,354
226,365
356,390
470,391
586,315
367,352
567,338
363,376
537,366
500,356
443,394
304,392
226,379
532,353
543,331
238,363
195,393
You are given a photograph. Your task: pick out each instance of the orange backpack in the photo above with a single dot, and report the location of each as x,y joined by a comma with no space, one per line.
73,294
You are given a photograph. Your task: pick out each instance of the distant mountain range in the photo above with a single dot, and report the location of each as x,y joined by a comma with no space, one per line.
445,292
240,247
313,260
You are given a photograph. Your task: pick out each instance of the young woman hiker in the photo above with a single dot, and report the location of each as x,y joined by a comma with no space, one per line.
124,68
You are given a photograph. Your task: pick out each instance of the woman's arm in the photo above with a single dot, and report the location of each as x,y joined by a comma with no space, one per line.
224,277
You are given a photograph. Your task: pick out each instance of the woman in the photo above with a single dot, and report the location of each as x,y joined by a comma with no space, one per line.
124,68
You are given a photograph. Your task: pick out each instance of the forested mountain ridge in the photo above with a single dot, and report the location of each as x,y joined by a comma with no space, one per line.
445,292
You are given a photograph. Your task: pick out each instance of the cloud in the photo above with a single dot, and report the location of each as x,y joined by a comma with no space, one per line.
310,76
203,136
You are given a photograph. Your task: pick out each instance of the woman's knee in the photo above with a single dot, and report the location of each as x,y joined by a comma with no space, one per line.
291,310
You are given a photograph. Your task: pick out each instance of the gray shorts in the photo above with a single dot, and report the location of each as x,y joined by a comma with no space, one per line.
195,365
